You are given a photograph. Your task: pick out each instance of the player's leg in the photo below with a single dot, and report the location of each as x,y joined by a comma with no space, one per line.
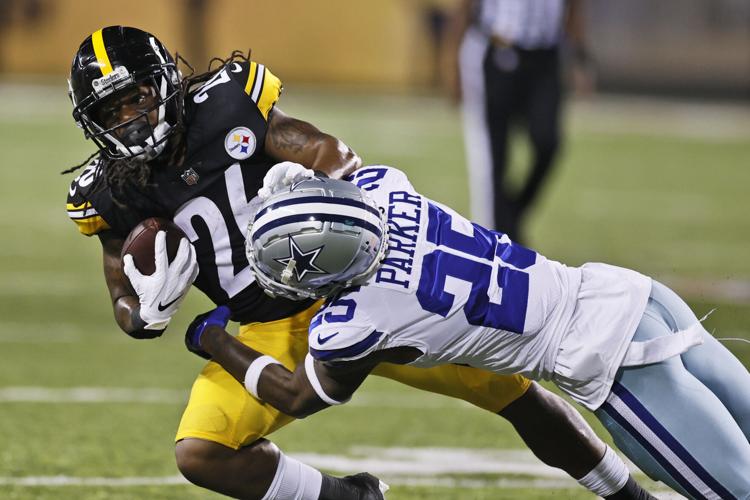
552,429
543,121
219,440
502,95
711,363
560,437
719,370
261,470
674,427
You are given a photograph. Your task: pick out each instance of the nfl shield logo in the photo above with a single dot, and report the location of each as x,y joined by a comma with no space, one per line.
190,177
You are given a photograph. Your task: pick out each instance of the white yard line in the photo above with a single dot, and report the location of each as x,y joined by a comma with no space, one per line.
91,395
30,103
396,462
91,481
32,394
732,291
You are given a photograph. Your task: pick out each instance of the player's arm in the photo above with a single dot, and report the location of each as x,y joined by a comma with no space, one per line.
124,300
297,141
312,387
144,304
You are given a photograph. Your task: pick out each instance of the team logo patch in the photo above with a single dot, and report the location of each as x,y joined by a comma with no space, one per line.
240,143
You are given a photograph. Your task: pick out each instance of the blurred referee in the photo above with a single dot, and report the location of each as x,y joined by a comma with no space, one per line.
502,59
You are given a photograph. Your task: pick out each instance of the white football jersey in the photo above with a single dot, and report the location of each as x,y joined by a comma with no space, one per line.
461,293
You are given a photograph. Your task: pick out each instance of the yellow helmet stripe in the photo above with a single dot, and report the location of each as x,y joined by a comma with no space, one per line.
101,52
251,77
269,94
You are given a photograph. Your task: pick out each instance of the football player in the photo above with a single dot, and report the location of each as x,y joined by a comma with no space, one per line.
195,150
411,281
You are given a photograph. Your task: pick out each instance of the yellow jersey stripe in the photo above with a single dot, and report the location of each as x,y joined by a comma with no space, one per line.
91,225
101,52
251,77
269,94
73,206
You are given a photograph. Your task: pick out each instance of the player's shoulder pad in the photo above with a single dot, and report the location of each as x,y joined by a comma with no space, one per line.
81,204
334,336
374,177
263,87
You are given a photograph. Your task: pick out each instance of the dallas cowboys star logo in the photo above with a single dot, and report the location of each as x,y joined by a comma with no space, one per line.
304,262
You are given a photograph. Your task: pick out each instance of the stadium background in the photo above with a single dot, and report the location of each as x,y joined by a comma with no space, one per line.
654,177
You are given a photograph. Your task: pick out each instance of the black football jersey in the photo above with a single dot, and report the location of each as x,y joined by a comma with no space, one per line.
208,196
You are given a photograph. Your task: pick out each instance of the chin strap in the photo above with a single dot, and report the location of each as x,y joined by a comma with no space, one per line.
286,274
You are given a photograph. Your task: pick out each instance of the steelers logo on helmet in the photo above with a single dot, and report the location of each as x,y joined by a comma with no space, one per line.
240,143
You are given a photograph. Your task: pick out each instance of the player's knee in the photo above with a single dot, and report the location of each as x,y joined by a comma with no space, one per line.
548,147
545,144
193,459
226,470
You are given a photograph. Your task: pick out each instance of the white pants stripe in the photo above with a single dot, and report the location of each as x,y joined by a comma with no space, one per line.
476,133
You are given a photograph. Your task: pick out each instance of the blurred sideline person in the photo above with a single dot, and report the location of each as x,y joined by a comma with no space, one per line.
195,150
409,280
502,61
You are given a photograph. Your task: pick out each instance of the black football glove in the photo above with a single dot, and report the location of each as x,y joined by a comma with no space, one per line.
218,317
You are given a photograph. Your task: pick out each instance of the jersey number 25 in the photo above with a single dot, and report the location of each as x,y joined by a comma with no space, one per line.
476,260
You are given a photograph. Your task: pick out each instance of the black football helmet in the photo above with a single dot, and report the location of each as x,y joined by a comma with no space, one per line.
111,64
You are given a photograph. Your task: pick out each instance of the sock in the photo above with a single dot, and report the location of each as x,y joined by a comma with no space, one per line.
608,477
632,491
294,481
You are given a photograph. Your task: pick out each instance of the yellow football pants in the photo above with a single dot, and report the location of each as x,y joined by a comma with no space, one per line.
221,410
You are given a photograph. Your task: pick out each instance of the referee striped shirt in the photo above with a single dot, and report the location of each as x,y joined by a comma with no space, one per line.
528,24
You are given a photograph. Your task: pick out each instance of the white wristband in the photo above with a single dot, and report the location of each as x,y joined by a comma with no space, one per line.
252,375
315,383
608,477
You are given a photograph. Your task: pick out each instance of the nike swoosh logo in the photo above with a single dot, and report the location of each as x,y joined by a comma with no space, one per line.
323,340
161,307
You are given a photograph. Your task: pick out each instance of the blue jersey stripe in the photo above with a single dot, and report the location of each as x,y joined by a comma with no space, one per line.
347,352
344,219
319,199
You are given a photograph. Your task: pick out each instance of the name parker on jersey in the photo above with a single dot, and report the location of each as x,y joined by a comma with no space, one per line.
404,213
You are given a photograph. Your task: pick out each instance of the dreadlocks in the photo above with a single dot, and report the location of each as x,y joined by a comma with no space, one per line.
128,178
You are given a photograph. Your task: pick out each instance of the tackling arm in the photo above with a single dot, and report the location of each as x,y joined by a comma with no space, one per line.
292,393
290,139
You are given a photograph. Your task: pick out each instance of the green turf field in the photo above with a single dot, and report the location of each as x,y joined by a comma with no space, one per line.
88,413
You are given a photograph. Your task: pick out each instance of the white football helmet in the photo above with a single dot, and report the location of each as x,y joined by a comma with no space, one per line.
314,238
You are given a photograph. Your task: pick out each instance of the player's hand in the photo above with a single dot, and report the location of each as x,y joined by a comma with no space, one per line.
161,293
217,317
282,174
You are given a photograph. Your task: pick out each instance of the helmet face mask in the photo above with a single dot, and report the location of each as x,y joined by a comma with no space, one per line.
117,62
316,238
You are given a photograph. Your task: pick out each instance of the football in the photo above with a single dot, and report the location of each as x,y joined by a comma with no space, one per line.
140,242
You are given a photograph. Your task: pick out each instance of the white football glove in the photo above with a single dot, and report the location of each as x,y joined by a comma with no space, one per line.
161,293
282,174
